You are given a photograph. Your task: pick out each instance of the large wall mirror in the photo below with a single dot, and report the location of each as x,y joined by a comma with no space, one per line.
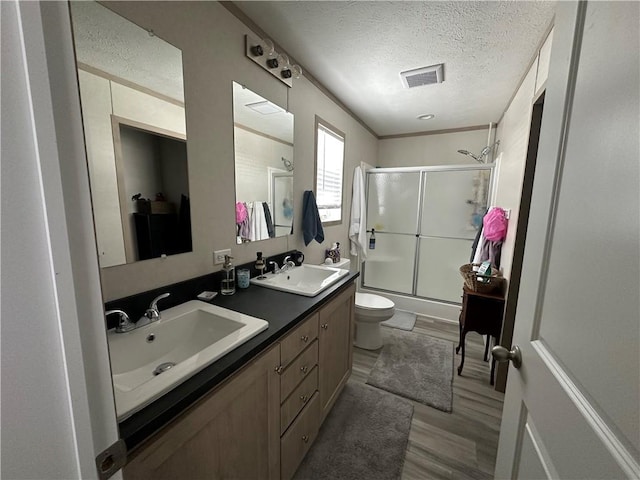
263,142
132,96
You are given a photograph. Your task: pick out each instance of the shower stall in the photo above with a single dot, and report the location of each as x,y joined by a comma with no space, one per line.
425,221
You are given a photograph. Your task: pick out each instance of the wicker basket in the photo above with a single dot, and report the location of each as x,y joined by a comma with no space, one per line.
490,283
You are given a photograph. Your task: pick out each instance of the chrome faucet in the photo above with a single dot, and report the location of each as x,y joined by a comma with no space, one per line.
276,268
153,313
124,324
286,265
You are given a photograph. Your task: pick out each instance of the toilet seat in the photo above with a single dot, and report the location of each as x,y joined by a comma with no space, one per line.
369,301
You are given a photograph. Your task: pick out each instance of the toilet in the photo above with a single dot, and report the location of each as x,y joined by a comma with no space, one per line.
370,311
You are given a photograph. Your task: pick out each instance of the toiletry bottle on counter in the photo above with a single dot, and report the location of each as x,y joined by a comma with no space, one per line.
260,266
228,284
372,240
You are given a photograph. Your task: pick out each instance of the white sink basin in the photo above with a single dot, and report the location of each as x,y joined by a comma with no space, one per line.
307,280
190,336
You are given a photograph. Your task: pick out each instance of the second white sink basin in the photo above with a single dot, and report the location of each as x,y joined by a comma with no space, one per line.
307,280
149,361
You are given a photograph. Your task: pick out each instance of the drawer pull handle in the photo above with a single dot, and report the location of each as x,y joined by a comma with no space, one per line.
278,369
304,338
304,369
324,326
305,438
304,398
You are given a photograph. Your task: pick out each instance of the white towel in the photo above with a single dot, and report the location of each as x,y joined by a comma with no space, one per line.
259,230
477,256
357,225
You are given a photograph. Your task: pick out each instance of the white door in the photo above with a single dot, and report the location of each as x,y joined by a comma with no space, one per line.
572,408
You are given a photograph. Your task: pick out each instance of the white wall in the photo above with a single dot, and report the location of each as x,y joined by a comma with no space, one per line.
34,383
513,133
439,149
47,410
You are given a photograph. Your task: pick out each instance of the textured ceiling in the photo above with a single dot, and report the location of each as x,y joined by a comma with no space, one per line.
117,46
358,48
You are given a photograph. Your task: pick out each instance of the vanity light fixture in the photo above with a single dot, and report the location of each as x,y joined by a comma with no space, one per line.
257,50
263,53
426,116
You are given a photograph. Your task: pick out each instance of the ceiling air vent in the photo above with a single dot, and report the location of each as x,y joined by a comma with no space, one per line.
423,76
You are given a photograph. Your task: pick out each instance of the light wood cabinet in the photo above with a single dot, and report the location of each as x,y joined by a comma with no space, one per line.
335,348
262,421
298,439
298,370
234,432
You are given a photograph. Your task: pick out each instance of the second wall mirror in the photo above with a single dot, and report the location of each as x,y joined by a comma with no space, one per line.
132,96
264,165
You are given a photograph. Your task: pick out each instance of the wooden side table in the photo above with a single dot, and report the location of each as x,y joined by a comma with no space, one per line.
482,313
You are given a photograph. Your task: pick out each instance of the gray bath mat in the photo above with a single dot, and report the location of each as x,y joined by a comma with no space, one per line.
364,437
416,366
401,320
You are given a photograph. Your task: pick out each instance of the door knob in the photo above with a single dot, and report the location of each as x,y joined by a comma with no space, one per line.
501,354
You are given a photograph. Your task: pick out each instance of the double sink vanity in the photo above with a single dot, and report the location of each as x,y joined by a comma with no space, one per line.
252,376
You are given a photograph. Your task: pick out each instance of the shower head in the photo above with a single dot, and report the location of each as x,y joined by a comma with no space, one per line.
467,152
485,151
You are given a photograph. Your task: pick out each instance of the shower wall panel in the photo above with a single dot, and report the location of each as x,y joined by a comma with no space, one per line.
390,266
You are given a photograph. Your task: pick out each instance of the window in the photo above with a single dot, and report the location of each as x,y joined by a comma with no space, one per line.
329,166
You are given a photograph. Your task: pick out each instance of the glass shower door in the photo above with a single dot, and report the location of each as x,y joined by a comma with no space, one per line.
392,210
452,207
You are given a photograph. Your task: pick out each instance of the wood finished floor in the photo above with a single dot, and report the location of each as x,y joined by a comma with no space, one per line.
457,445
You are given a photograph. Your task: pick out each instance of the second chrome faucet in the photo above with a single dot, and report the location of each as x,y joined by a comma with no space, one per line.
153,312
151,315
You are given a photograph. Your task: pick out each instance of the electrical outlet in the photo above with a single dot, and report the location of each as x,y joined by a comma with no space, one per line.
218,255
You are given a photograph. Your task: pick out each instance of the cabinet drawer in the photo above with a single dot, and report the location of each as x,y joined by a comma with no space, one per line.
296,341
298,399
298,370
299,438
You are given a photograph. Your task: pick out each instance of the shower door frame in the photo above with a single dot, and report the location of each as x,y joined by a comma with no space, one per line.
423,171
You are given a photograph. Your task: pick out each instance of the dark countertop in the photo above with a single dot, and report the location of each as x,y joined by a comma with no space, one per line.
282,310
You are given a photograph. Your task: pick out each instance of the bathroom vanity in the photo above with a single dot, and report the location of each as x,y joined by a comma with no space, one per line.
260,420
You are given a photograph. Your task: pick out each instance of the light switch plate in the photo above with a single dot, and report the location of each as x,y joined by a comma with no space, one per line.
218,255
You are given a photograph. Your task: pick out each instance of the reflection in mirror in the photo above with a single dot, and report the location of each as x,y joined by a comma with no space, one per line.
132,97
263,141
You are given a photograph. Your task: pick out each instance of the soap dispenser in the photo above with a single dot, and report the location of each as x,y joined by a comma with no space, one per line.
228,284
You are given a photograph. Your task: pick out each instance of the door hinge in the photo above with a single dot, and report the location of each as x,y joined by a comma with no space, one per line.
112,459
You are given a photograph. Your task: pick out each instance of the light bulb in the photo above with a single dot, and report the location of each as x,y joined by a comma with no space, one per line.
283,60
296,71
268,46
